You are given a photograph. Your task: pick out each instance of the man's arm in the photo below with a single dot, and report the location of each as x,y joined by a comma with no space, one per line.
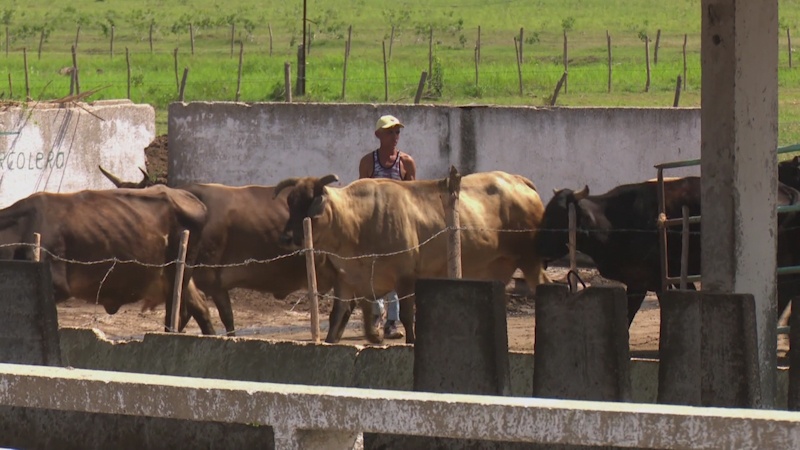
410,167
365,166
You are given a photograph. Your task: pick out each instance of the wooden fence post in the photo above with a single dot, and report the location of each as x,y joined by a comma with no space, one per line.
608,44
385,74
311,272
477,62
685,37
430,53
175,60
565,77
647,62
677,93
789,42
191,37
111,46
25,65
561,81
41,42
517,51
75,70
128,64
655,49
183,83
453,224
151,37
77,35
420,87
346,57
521,33
10,87
180,267
239,77
269,27
391,43
37,247
287,80
478,45
233,31
7,41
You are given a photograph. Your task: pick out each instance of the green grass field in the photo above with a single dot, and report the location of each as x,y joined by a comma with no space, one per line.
214,65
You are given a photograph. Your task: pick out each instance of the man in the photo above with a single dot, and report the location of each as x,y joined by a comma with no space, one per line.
388,162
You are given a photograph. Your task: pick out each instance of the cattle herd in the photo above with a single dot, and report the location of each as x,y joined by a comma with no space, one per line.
119,246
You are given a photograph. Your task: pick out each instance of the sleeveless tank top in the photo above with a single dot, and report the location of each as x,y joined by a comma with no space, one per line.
391,172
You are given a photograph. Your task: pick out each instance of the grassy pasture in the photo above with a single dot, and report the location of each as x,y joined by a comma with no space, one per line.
213,67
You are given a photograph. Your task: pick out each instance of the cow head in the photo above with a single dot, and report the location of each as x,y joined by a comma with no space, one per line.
789,172
146,182
553,237
307,198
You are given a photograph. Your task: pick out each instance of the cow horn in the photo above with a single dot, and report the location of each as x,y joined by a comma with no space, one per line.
582,194
328,179
112,178
289,182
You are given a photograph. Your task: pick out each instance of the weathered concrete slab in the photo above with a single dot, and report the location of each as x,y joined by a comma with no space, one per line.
581,349
461,347
708,350
28,322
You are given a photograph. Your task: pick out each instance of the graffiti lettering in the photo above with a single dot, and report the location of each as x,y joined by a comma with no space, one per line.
32,161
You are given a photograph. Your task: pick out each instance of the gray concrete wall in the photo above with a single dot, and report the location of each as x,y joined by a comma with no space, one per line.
263,143
57,147
299,363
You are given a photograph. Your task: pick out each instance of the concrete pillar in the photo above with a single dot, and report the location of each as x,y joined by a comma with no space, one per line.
739,103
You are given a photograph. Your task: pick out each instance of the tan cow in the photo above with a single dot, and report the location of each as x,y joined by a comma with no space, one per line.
395,220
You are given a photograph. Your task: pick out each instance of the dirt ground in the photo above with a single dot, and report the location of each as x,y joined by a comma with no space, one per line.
259,315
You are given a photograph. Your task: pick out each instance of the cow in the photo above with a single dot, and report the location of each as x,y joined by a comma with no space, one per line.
789,172
239,245
111,247
618,230
381,234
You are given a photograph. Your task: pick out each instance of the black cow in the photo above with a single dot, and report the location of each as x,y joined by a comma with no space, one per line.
618,230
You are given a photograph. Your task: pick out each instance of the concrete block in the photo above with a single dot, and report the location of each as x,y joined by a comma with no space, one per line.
461,348
385,367
28,317
793,398
708,350
581,350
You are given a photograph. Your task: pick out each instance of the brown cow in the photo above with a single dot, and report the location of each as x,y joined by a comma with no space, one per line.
396,219
111,247
243,227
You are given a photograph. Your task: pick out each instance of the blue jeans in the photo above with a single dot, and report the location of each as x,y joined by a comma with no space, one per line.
393,307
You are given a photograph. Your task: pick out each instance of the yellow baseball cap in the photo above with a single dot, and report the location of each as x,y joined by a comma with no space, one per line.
388,122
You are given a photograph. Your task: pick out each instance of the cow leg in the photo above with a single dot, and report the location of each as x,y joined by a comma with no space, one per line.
635,299
373,334
407,317
534,271
222,300
194,304
337,321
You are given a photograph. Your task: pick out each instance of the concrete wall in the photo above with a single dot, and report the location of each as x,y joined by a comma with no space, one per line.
57,147
259,360
263,143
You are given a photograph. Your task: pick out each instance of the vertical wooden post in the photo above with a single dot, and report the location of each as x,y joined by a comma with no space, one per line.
10,87
453,225
789,42
111,46
478,45
183,83
37,247
346,58
565,77
420,87
677,93
128,64
385,74
684,247
7,41
180,267
151,37
77,35
287,80
517,50
175,60
608,44
572,246
655,49
477,71
191,37
41,42
521,33
311,272
430,53
233,32
647,62
269,27
25,65
75,70
685,37
391,43
239,78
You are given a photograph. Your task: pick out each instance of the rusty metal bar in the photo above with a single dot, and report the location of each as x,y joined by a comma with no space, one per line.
684,247
662,230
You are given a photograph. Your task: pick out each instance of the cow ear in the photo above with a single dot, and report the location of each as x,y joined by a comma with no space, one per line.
317,206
